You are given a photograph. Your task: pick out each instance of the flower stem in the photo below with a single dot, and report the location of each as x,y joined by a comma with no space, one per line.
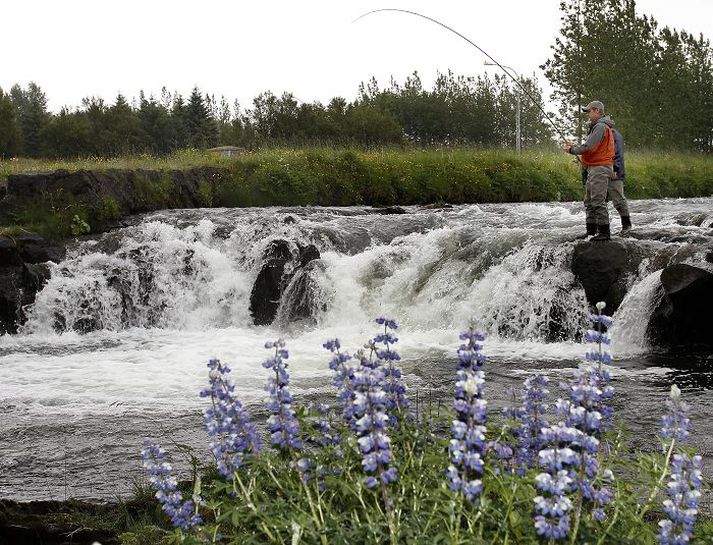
657,487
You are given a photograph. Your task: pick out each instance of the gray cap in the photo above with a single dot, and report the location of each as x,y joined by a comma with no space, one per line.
594,104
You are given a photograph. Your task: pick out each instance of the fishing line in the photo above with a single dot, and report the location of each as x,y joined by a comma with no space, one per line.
520,86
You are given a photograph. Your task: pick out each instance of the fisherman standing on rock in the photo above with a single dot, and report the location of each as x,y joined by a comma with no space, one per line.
597,156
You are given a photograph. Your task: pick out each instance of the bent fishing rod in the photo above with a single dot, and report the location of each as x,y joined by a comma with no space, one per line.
520,86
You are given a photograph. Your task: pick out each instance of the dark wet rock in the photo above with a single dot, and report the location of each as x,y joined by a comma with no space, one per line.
35,249
605,268
390,210
289,220
22,275
280,264
301,295
682,317
9,254
64,523
436,206
308,253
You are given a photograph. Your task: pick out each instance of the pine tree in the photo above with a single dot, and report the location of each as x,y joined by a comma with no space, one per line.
202,129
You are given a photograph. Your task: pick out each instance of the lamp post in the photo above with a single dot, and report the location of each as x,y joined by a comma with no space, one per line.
518,138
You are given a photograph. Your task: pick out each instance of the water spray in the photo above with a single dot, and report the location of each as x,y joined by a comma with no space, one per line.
517,82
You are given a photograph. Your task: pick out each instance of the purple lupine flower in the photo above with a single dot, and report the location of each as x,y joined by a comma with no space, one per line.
681,507
227,421
383,347
343,374
321,425
559,463
370,421
575,442
282,423
675,425
183,514
530,418
504,455
467,447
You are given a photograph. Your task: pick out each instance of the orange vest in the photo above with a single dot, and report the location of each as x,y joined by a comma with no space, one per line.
601,155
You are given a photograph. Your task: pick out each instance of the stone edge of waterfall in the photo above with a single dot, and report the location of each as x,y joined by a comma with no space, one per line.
24,271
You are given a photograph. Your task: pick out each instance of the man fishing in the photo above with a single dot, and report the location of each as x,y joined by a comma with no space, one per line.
597,156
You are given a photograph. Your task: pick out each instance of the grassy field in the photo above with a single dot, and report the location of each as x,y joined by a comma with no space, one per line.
342,177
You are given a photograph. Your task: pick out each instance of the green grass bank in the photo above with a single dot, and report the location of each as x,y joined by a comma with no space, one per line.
342,177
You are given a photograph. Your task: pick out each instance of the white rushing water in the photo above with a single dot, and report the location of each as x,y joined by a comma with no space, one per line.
160,297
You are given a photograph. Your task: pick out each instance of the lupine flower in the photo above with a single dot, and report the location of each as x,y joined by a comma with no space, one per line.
559,463
675,424
383,347
530,418
683,488
467,446
324,433
681,507
183,514
576,440
228,421
589,410
343,374
370,421
282,423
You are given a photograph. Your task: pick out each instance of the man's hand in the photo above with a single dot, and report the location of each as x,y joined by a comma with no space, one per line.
567,146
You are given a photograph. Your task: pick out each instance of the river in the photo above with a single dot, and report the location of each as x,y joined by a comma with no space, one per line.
171,289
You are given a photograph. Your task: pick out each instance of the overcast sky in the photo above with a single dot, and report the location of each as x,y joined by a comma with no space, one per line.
76,48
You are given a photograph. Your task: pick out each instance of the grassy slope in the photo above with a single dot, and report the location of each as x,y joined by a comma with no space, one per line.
326,176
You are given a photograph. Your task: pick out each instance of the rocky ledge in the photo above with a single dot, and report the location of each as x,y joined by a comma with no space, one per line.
24,270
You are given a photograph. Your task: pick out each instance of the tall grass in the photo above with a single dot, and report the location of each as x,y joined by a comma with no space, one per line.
386,176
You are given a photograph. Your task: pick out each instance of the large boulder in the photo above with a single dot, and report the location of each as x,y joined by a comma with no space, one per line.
281,261
605,269
682,318
23,273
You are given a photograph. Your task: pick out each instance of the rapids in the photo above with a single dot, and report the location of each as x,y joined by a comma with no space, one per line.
115,346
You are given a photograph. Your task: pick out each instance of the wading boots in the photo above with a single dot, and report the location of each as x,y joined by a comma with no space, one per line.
603,234
625,225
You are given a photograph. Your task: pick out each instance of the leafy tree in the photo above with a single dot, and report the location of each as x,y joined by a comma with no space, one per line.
156,125
10,137
124,127
67,135
607,51
31,104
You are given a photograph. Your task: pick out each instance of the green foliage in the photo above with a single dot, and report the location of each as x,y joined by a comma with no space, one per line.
321,176
205,194
268,502
10,136
79,226
656,82
31,105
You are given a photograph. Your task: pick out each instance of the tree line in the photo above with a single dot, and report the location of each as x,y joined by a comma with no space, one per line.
458,110
657,82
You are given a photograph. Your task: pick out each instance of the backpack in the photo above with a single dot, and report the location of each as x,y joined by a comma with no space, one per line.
619,167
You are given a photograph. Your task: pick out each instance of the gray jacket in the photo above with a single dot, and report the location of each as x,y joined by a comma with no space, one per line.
595,134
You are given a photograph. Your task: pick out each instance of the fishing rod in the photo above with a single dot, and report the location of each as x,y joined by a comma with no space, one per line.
520,86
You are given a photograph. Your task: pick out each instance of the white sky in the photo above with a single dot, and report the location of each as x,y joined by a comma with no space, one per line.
76,48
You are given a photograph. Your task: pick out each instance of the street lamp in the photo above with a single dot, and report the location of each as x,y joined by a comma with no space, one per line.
518,139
